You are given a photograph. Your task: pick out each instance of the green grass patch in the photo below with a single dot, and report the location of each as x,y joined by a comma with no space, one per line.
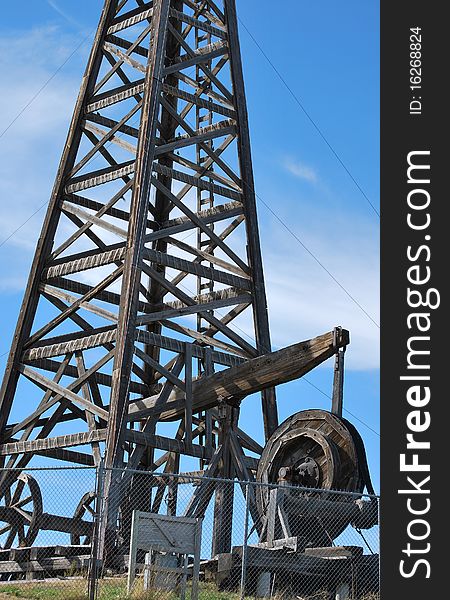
108,590
115,589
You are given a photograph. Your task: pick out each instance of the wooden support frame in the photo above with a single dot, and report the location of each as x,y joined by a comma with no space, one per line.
126,264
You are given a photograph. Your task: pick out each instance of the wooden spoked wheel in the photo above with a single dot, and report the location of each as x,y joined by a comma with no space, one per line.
85,511
20,512
85,508
312,450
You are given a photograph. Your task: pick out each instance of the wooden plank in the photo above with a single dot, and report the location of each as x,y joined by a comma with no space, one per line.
193,309
99,378
188,394
122,76
105,137
196,138
205,256
50,522
60,441
95,178
23,553
207,148
160,368
192,57
107,122
49,384
113,139
197,182
123,43
71,343
281,560
335,552
338,383
131,285
48,290
202,25
124,57
200,337
168,444
116,66
90,420
202,89
131,18
207,316
118,94
186,266
70,456
200,59
318,506
200,170
209,105
224,295
87,260
46,564
101,209
49,326
107,208
208,216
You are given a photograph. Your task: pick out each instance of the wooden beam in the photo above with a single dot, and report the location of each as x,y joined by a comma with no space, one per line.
251,376
49,384
60,441
168,444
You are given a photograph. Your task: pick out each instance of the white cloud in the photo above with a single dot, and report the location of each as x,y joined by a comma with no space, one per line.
301,170
31,146
305,302
66,16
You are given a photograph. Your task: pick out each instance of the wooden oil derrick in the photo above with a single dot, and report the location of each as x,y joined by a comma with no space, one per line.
148,255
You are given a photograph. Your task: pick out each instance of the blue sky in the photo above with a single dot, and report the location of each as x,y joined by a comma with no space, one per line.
328,54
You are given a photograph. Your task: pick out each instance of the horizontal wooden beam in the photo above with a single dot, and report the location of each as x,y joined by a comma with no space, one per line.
187,266
60,441
71,343
99,177
131,18
91,260
174,345
202,25
167,444
201,102
198,182
115,95
99,378
46,565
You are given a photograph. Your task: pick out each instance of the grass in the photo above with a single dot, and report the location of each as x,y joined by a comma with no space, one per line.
111,589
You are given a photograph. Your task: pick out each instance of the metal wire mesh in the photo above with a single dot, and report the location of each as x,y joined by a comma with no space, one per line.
69,532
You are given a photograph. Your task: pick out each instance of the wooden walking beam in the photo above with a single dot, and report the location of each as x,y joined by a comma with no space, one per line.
255,375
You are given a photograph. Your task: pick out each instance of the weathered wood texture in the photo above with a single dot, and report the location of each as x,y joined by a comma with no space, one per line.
251,376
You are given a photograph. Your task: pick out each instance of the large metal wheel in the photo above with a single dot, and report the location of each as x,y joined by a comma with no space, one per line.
312,450
20,512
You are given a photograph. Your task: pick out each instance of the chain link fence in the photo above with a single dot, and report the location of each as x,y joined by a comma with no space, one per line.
73,533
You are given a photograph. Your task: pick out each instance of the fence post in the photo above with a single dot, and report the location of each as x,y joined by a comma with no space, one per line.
244,547
93,570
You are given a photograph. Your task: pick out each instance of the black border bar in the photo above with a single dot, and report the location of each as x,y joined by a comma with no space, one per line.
415,370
